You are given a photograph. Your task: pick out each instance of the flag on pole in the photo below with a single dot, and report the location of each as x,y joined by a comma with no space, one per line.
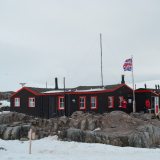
127,66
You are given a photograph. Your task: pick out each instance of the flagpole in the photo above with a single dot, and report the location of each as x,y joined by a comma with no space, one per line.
134,105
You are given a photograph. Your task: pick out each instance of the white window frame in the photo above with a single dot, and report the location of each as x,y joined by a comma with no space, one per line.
82,102
110,106
17,102
94,102
31,103
61,102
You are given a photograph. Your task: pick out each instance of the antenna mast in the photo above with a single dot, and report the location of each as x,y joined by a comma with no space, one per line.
101,59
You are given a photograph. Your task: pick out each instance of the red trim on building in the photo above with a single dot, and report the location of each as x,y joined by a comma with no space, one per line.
29,102
15,101
59,103
112,101
95,102
147,91
21,90
119,101
92,92
84,102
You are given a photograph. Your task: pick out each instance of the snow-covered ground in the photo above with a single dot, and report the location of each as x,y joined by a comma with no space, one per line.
50,148
4,103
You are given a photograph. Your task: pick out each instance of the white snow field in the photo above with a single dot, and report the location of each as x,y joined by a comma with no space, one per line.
4,103
52,149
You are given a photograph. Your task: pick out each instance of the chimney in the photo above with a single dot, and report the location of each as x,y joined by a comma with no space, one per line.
122,82
158,86
145,86
135,87
56,83
155,86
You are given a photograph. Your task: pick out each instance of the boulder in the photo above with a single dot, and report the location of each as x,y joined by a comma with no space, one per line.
7,133
73,134
83,124
15,134
89,137
92,124
63,120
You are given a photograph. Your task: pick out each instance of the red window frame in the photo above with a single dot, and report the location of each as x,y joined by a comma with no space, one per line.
29,102
15,101
84,102
95,102
112,102
59,103
121,102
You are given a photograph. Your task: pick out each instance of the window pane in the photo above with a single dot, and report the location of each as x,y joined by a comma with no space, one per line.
93,99
81,99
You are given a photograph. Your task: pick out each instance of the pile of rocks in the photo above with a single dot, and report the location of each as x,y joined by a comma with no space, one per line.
115,128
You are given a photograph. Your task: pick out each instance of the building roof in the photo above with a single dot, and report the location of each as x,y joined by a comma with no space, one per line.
80,89
96,88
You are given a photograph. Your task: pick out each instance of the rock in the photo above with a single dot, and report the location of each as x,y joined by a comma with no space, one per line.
63,120
40,122
83,124
145,117
41,134
62,134
73,134
55,127
7,133
24,139
1,118
92,125
113,126
76,114
89,137
15,134
1,148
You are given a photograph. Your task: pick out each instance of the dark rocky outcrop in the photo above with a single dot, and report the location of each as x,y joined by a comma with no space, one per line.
115,128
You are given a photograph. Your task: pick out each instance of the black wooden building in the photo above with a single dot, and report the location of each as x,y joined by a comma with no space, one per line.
53,102
142,94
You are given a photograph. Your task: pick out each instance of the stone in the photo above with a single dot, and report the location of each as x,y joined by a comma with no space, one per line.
73,134
55,127
76,114
89,137
63,119
62,134
83,124
15,134
24,139
113,126
91,125
7,133
1,148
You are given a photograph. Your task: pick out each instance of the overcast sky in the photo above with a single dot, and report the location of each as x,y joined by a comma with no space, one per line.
44,39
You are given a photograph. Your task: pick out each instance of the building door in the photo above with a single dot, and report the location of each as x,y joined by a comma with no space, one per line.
52,108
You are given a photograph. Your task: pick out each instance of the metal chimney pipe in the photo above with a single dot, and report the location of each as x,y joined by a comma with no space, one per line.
56,83
145,86
122,82
155,86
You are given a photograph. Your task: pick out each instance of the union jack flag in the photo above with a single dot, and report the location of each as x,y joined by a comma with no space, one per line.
127,66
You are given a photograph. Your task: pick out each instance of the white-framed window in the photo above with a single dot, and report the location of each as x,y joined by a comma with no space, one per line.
94,102
17,102
110,102
60,102
120,100
82,102
31,101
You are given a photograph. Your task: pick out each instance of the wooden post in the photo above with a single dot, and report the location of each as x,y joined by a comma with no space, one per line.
30,137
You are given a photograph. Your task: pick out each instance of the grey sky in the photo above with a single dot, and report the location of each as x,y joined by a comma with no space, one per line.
44,39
